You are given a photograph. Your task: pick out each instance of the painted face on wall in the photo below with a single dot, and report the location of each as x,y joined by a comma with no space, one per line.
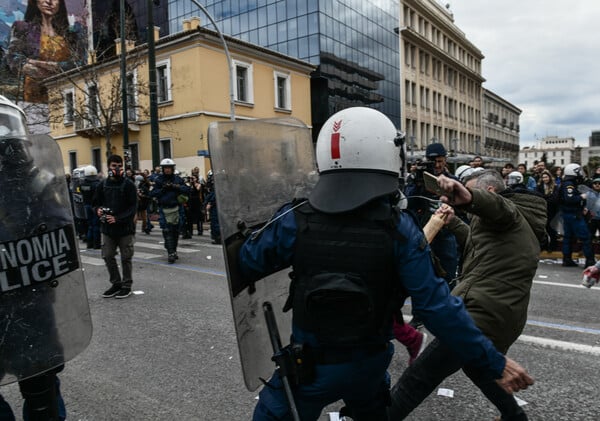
48,8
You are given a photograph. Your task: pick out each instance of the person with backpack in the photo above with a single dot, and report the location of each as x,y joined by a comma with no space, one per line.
115,203
355,257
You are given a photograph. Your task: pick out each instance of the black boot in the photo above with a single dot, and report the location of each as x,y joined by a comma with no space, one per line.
568,262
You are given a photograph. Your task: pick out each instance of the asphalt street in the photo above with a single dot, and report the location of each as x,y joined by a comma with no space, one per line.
168,352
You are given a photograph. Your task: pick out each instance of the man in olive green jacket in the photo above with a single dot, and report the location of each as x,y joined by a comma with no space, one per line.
501,253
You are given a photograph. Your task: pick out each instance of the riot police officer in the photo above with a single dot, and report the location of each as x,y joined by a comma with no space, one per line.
355,258
210,204
571,204
45,319
167,187
88,189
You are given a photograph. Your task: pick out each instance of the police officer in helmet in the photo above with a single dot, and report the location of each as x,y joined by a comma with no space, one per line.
167,187
41,328
571,204
355,258
88,189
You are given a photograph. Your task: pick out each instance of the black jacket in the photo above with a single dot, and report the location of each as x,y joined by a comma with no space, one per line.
120,196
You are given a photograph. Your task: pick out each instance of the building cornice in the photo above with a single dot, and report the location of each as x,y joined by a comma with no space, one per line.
198,34
435,13
416,38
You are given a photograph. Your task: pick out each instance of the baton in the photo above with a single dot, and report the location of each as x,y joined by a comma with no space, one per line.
276,343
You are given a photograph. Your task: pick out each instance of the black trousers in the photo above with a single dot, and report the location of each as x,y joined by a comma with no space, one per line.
426,373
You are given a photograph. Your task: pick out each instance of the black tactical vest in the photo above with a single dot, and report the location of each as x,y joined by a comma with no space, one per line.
345,285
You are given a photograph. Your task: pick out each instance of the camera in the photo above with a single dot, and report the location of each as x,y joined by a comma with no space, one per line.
105,213
421,167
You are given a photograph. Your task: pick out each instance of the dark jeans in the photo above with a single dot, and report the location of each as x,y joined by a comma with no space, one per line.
426,373
575,226
362,383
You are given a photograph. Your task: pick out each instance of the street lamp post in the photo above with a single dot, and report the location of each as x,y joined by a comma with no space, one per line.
124,98
229,61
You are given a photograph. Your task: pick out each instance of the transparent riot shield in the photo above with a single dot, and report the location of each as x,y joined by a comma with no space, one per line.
44,313
78,207
258,166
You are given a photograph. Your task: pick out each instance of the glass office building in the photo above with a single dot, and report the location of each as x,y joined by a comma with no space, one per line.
352,42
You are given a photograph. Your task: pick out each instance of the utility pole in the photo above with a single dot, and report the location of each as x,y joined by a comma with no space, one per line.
124,83
152,82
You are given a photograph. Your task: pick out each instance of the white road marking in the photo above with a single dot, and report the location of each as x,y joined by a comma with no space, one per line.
561,345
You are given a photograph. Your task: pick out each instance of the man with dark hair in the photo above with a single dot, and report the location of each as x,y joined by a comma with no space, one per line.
478,162
115,203
495,284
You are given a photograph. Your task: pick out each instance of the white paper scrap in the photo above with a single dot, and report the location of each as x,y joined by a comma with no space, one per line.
543,276
445,392
520,402
209,257
138,292
334,416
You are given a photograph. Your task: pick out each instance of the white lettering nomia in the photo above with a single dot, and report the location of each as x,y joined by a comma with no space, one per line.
27,250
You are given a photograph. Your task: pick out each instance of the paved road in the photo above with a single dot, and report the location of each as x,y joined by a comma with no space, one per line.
168,352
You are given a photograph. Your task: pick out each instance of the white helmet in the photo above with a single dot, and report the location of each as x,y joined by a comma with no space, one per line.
513,178
90,171
573,170
358,160
463,171
167,162
12,119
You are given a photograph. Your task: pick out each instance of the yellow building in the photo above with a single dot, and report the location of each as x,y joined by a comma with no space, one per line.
192,91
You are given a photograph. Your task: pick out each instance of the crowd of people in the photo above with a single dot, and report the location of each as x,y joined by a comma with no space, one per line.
572,201
357,251
196,203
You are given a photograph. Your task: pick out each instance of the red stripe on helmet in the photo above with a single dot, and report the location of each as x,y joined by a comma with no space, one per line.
335,146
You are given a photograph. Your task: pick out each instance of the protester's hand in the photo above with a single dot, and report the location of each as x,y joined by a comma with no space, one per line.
592,270
514,377
445,211
111,219
457,194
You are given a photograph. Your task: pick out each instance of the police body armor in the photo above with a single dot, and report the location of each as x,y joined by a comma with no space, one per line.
44,313
345,281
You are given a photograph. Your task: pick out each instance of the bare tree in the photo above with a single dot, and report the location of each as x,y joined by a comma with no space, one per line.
95,105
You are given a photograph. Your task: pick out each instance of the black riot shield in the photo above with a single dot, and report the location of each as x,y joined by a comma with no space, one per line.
44,313
258,166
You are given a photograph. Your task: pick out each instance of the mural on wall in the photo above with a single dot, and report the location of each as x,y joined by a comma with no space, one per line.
39,39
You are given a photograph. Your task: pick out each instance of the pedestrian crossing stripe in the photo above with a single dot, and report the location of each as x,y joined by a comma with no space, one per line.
96,260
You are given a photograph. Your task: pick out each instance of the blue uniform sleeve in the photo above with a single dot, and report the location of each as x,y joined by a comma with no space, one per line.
183,188
443,314
271,250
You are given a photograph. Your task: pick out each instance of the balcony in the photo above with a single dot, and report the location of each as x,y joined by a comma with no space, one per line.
93,127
